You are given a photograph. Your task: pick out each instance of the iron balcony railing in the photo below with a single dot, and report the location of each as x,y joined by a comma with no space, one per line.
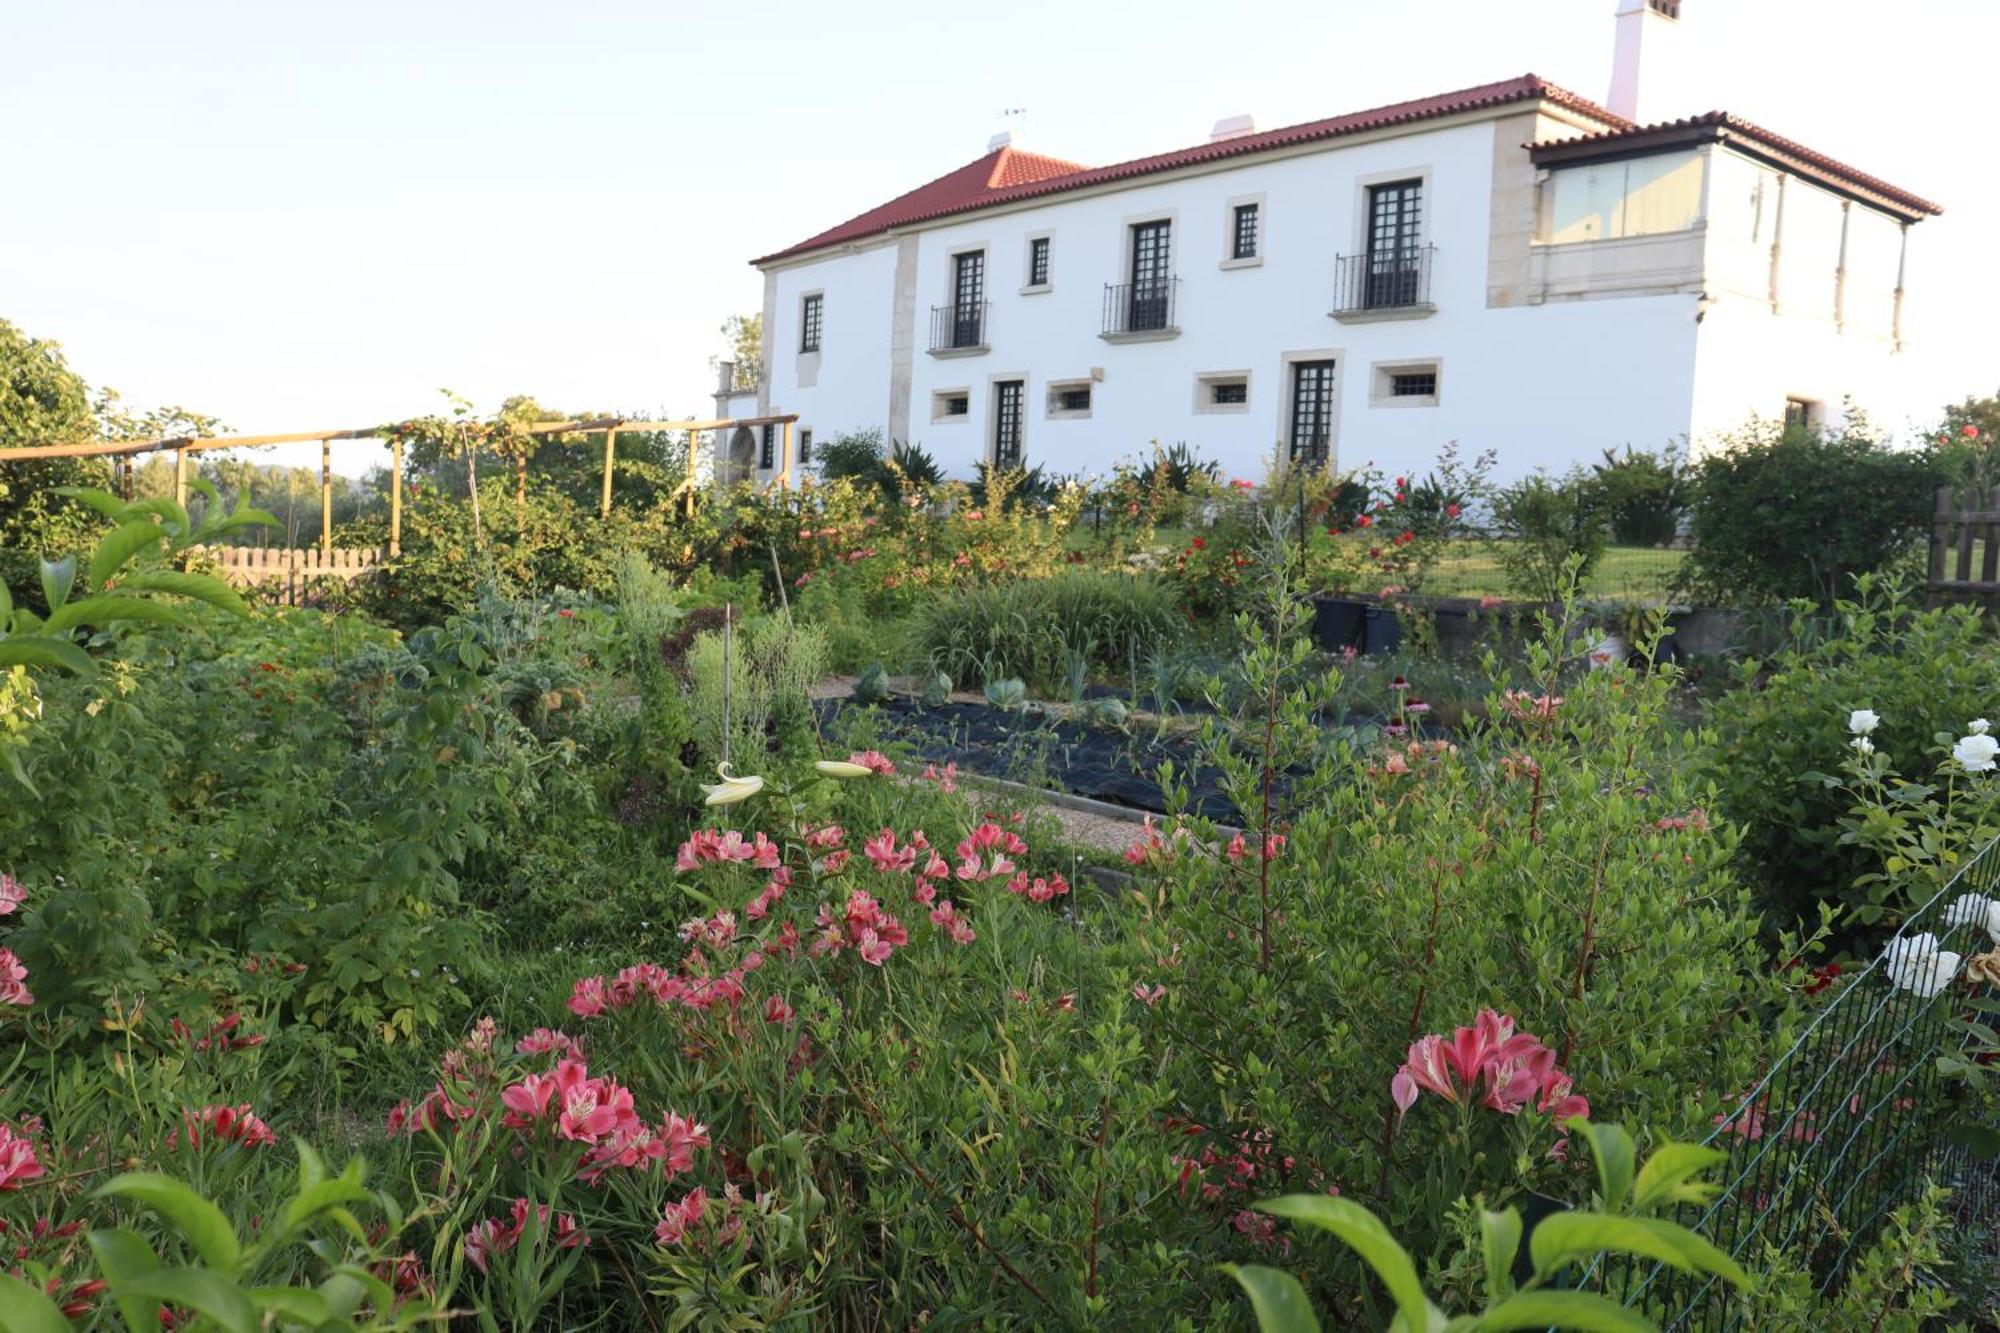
959,327
1383,280
1141,307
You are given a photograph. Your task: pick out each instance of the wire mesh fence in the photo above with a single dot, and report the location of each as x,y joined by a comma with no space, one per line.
1843,1127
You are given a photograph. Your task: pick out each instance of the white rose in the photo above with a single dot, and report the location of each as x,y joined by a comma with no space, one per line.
1862,745
1975,753
1968,909
1979,726
1862,721
1916,964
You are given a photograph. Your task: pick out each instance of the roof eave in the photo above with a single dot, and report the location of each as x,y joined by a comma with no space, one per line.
1547,96
1715,129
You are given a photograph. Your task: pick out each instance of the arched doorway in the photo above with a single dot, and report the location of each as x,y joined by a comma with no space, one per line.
740,463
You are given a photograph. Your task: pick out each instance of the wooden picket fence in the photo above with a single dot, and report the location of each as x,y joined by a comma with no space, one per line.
1965,549
292,577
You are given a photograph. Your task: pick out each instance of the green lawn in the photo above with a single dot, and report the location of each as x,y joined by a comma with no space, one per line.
1639,573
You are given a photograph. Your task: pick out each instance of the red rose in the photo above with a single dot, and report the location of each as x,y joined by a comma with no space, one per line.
1970,432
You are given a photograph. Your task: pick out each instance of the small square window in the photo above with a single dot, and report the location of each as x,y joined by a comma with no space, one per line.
805,446
951,404
1244,236
1222,391
1070,398
957,405
810,315
1038,262
1801,413
1405,384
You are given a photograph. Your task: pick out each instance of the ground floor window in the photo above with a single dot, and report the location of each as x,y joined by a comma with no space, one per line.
1007,395
1312,411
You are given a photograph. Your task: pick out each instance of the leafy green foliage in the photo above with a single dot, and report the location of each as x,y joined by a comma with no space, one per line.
1644,494
1784,513
1550,522
1622,1223
1784,727
1020,628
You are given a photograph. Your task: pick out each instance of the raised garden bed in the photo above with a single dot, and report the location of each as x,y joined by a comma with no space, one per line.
1034,747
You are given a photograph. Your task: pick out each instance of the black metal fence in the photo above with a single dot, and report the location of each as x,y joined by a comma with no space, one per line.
1845,1126
1141,307
959,327
1383,280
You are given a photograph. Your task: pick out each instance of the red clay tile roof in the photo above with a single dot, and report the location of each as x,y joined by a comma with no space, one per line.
1010,174
1755,140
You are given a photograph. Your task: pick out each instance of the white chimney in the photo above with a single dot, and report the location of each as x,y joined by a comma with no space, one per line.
1646,63
1004,139
1232,127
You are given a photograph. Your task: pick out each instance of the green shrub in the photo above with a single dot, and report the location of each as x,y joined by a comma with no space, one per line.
1024,627
1784,513
1644,494
1550,523
1785,724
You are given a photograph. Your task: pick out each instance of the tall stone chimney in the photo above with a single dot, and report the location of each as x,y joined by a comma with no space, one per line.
1647,63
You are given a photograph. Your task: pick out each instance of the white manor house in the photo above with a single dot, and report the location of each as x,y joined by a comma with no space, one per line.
1510,266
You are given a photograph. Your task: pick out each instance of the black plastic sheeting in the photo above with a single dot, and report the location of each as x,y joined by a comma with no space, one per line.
1032,748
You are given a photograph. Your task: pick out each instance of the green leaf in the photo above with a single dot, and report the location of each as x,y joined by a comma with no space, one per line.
1573,1237
203,486
6,604
25,1308
222,525
175,517
104,502
1611,1146
200,1221
18,651
300,1303
1277,1297
106,608
1362,1232
120,545
1563,1309
1500,1236
1666,1177
198,1289
57,578
122,1255
198,587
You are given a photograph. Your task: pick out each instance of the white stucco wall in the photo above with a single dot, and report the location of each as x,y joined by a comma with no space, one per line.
1546,384
845,387
1751,358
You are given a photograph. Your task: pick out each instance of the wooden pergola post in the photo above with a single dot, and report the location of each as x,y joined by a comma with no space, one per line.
687,488
610,453
396,496
181,476
326,497
785,472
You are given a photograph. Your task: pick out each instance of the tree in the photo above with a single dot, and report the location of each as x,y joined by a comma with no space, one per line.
42,401
745,334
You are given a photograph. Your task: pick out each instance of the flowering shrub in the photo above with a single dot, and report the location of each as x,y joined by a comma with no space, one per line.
1779,736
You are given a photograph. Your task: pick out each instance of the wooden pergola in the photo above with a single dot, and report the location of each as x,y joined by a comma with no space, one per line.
125,450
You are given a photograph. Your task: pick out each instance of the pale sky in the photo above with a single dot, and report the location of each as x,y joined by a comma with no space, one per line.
298,216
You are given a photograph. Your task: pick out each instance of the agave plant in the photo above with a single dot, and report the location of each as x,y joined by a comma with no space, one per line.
125,579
